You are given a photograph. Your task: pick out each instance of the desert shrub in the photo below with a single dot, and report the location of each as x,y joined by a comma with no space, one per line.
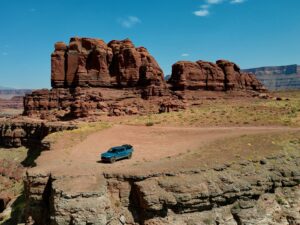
149,124
279,200
208,221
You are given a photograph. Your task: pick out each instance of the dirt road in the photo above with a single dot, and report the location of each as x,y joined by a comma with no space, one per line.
153,145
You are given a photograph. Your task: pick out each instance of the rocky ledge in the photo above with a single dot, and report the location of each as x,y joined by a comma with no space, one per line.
247,192
20,132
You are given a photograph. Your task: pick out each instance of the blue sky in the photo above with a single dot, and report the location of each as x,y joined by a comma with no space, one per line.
251,33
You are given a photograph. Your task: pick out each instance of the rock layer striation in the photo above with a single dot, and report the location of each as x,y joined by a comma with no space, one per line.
247,192
88,62
278,77
16,133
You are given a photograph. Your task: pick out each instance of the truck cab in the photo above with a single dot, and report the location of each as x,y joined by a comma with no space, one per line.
117,153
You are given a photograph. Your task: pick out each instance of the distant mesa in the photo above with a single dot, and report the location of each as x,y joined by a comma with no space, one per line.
278,77
11,100
90,78
7,93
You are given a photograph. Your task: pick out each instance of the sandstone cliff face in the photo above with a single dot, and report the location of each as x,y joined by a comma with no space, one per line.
249,192
27,133
222,76
278,77
62,103
90,77
88,62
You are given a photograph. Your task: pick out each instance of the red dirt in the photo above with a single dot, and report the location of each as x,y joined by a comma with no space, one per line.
153,145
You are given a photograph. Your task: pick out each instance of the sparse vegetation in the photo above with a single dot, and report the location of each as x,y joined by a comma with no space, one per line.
149,124
245,147
15,188
13,154
208,221
77,135
117,204
17,211
279,200
232,112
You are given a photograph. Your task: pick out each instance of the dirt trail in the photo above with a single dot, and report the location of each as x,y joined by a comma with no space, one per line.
151,144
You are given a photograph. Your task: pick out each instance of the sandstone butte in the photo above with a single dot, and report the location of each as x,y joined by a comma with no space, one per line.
90,77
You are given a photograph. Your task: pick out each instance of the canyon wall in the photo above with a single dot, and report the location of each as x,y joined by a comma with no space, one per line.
247,192
16,133
278,77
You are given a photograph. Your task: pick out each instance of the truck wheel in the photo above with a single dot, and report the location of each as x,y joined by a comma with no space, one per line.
112,160
129,156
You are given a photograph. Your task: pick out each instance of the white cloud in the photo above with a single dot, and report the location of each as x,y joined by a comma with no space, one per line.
214,1
201,12
185,54
237,1
129,22
206,6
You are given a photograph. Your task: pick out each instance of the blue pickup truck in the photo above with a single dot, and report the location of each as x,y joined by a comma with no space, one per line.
116,153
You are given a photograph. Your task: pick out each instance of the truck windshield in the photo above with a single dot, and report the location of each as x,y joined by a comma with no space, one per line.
113,150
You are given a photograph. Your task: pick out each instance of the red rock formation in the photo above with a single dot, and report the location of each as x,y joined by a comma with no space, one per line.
90,62
85,69
63,103
222,76
91,78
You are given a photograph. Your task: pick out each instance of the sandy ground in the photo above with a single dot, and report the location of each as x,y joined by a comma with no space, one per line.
155,149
